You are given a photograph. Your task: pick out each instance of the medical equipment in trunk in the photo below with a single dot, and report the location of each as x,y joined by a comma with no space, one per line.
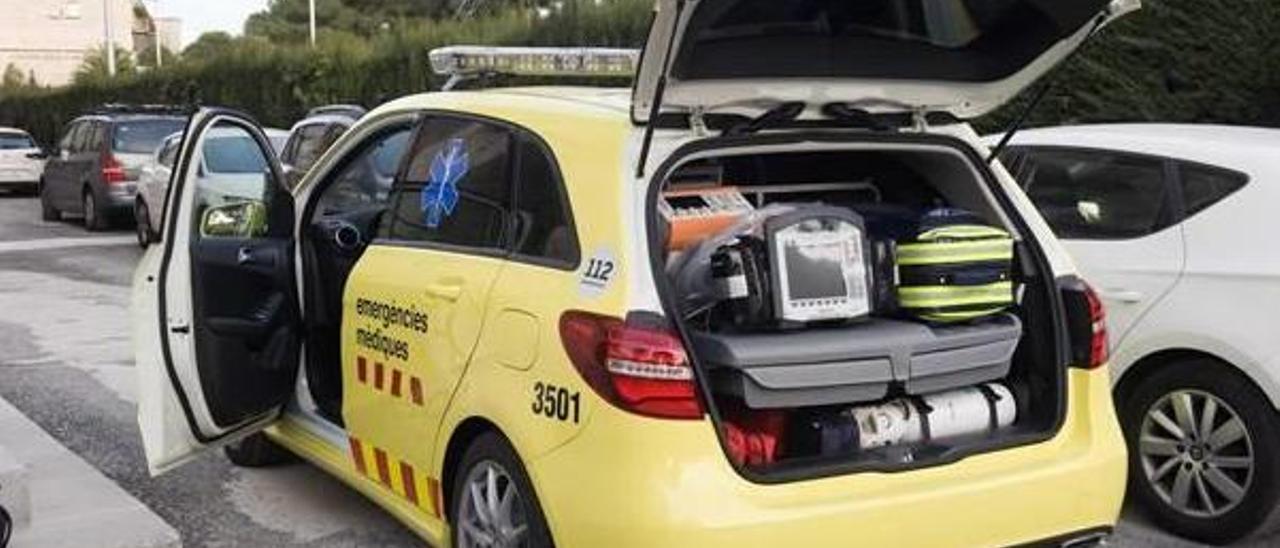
956,268
810,264
935,418
695,214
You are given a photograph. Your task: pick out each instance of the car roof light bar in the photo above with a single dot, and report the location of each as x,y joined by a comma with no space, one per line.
462,63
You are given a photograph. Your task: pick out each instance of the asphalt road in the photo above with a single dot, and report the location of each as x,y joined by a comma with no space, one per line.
68,366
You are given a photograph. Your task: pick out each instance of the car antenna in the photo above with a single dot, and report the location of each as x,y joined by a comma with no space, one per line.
659,91
1041,93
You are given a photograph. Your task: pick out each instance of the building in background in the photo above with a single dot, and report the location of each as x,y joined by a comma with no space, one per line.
50,38
147,29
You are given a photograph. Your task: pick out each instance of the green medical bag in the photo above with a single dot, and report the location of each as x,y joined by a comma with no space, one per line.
957,268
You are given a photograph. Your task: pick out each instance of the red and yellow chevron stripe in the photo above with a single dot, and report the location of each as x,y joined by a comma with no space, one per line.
392,380
397,476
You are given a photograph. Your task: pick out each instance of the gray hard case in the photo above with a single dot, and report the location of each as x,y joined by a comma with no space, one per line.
856,363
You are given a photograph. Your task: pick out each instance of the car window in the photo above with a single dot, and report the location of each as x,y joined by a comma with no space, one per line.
170,153
97,136
231,146
143,136
1203,186
68,141
15,141
544,219
236,154
367,177
457,187
80,138
311,144
1097,195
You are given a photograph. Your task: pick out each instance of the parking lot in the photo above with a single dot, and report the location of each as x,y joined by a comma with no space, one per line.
69,368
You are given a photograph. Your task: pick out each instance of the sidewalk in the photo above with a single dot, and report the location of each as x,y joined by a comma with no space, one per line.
71,503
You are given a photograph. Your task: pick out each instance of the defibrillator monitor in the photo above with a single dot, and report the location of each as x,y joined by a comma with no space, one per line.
820,265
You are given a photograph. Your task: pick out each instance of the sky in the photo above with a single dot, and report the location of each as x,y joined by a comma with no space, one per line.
201,16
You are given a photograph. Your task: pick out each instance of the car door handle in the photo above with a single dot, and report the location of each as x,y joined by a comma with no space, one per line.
447,292
1122,295
246,256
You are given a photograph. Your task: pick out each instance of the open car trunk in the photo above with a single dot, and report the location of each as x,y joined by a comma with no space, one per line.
888,390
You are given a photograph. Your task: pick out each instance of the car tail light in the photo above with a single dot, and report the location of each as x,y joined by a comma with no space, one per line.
1087,323
638,368
112,170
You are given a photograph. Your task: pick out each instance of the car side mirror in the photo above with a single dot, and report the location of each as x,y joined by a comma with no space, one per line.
246,219
42,155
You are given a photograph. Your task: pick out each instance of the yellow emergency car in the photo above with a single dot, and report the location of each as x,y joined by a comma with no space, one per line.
466,310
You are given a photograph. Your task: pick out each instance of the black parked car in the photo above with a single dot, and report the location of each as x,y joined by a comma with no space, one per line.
94,169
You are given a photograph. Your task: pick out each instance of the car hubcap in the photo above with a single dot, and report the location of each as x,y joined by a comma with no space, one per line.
492,512
1196,453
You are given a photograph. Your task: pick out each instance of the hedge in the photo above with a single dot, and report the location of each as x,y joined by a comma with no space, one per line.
277,84
1177,60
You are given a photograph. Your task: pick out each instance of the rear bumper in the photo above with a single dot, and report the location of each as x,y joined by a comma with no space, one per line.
638,482
120,196
18,184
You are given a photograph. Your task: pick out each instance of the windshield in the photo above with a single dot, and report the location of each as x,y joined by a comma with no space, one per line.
233,155
15,141
144,136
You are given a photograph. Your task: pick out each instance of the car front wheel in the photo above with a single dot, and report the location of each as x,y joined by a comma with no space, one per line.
1203,450
256,451
493,501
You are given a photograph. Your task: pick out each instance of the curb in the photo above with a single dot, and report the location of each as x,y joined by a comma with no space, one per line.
59,500
15,500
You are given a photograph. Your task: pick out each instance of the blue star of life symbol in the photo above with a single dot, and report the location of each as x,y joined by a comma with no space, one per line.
440,197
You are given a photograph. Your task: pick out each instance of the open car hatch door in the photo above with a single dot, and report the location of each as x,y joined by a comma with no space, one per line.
963,57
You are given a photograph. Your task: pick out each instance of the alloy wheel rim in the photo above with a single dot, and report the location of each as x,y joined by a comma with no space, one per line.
1196,453
492,509
89,214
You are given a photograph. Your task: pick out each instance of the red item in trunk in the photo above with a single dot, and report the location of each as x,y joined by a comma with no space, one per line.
753,436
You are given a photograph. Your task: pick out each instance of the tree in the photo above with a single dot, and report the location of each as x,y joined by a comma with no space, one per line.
13,77
94,67
208,46
147,57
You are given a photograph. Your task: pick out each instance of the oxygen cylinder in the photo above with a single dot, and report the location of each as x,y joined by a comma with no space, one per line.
936,417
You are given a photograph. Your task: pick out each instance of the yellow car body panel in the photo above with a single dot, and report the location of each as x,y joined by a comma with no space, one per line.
672,486
606,477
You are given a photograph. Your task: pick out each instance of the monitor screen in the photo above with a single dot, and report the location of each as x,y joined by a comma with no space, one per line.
816,268
821,271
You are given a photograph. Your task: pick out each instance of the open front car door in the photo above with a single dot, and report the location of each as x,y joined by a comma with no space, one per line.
215,311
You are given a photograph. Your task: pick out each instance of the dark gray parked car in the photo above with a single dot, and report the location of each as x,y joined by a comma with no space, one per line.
94,169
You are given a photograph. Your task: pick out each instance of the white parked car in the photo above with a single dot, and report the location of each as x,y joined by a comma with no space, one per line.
223,160
1175,226
21,161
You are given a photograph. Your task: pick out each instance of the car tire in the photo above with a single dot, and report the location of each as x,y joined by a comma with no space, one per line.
95,219
257,451
491,455
142,224
47,211
1217,483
